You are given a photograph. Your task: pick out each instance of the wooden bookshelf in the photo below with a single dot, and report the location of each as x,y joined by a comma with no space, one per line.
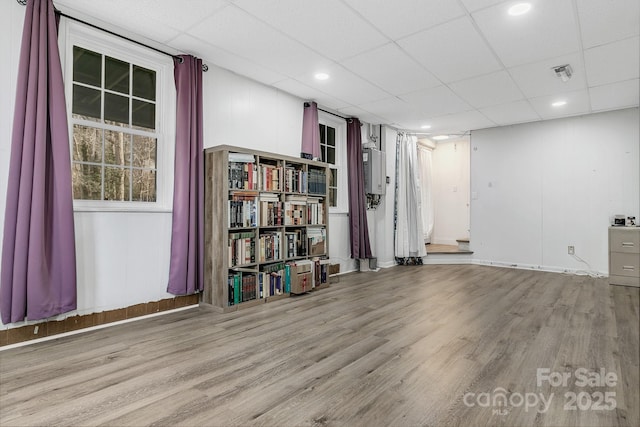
263,212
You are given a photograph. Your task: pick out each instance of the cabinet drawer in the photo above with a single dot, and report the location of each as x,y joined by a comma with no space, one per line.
624,264
624,240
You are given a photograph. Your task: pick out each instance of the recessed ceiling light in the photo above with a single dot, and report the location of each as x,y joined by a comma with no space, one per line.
559,103
519,9
321,76
426,127
441,137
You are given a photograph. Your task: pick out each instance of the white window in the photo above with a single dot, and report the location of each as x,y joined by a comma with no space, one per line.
333,148
121,113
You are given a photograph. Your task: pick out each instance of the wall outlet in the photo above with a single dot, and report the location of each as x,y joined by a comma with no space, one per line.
571,250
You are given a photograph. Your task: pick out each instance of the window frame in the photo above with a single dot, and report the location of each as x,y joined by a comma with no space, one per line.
76,34
340,126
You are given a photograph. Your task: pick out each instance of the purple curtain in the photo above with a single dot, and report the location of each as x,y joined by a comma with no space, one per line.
186,271
310,131
360,246
38,277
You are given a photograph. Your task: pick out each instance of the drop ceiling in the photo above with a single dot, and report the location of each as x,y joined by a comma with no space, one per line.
454,65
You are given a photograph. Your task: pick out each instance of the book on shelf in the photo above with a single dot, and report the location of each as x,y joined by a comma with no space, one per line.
316,237
295,180
272,280
242,210
270,177
241,288
315,211
295,209
270,210
270,246
243,175
241,248
317,181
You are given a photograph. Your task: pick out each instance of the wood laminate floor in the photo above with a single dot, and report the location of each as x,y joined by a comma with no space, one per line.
425,345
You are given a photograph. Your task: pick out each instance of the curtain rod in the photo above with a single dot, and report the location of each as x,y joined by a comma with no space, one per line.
205,67
306,104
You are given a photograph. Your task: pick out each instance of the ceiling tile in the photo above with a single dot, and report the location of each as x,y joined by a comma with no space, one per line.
398,19
363,115
577,103
514,112
613,62
122,14
615,95
539,79
220,57
548,30
328,27
389,67
238,32
460,123
473,5
452,51
607,21
437,100
343,84
305,92
490,89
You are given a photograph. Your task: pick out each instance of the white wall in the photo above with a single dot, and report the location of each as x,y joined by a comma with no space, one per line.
451,183
546,185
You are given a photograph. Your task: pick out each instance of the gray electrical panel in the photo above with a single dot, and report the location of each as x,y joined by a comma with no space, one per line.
375,172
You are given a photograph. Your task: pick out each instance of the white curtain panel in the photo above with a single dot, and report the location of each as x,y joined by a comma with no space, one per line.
425,162
409,239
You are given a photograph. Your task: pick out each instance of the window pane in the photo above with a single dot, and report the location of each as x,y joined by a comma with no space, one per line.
87,181
144,152
144,185
333,177
323,153
144,115
86,102
116,75
87,144
331,136
117,148
116,109
333,197
144,83
116,183
331,155
87,67
322,134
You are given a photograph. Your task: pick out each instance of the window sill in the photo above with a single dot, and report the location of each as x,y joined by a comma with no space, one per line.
120,209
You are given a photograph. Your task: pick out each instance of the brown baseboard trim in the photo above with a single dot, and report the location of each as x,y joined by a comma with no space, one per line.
74,323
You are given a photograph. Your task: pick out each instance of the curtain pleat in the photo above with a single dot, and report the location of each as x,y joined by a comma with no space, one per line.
360,246
425,168
186,269
38,278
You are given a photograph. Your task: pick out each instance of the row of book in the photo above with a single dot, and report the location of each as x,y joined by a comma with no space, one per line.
295,180
242,210
274,279
295,208
242,288
270,246
271,178
241,248
317,181
243,175
315,211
